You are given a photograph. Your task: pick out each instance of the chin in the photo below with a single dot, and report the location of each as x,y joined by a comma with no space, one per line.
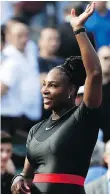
47,107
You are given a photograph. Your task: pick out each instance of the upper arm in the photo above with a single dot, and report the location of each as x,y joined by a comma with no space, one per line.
93,90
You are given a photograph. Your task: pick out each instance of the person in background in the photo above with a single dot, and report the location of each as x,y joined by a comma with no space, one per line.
96,168
31,48
49,43
101,185
20,86
69,46
79,97
99,24
5,155
2,43
104,56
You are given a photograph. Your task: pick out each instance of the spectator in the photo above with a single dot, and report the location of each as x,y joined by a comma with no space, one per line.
96,168
2,44
6,153
48,44
79,96
30,48
69,46
104,56
99,24
20,89
102,185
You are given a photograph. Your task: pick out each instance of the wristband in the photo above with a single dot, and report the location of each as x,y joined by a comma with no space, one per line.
17,176
79,31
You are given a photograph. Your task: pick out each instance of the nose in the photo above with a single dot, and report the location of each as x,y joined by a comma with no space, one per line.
45,90
4,155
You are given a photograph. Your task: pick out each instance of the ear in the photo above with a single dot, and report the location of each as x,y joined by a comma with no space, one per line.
72,90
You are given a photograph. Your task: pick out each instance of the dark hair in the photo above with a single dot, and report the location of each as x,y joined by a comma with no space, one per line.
73,67
3,27
18,19
5,137
78,6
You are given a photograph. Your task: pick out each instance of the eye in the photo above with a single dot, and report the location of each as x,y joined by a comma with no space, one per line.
53,85
43,84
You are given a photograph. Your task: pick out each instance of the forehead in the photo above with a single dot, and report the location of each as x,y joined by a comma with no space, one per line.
19,29
104,52
6,145
46,33
56,75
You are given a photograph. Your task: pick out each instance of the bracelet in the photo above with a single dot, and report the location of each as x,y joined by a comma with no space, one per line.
79,31
16,176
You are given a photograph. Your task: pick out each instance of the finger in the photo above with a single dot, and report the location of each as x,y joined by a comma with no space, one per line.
88,8
73,12
91,9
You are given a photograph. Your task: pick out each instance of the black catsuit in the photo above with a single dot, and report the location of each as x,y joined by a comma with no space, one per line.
66,148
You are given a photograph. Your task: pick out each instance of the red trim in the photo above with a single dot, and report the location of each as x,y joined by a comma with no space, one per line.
59,178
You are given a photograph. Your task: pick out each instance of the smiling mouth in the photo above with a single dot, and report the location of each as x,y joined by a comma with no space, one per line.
47,100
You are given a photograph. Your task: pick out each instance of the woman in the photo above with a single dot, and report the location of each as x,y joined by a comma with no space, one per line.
59,148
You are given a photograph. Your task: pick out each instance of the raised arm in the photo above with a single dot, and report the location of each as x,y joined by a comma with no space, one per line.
93,84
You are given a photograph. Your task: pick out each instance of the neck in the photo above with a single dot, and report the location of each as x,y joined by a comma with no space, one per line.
46,55
56,114
2,171
103,11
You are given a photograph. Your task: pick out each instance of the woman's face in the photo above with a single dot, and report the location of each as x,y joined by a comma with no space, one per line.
56,90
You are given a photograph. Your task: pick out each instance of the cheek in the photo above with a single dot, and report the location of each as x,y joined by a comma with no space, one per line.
60,95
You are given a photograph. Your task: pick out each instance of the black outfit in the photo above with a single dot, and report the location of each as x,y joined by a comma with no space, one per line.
66,148
6,183
69,46
105,112
45,65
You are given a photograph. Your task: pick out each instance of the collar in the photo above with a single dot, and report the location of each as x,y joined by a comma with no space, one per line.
10,50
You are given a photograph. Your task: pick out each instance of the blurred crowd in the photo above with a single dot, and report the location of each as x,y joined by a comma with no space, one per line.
35,37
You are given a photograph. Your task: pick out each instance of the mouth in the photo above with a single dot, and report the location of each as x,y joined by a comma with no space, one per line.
47,100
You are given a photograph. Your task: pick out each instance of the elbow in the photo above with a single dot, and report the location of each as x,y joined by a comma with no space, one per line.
96,74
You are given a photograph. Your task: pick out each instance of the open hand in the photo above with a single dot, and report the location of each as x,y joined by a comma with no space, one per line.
78,21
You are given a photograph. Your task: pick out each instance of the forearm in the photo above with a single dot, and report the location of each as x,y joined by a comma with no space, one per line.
89,56
27,170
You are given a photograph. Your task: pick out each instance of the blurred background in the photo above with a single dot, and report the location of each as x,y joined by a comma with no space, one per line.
35,37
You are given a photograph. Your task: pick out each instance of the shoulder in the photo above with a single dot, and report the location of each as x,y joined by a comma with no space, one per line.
95,184
9,62
33,131
8,176
82,110
35,127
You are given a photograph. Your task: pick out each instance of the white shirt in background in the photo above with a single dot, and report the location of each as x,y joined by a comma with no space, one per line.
108,179
21,75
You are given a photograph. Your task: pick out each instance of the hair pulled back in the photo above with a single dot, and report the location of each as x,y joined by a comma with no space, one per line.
74,69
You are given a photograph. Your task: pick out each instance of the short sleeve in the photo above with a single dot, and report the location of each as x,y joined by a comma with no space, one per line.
83,113
32,132
30,135
9,72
